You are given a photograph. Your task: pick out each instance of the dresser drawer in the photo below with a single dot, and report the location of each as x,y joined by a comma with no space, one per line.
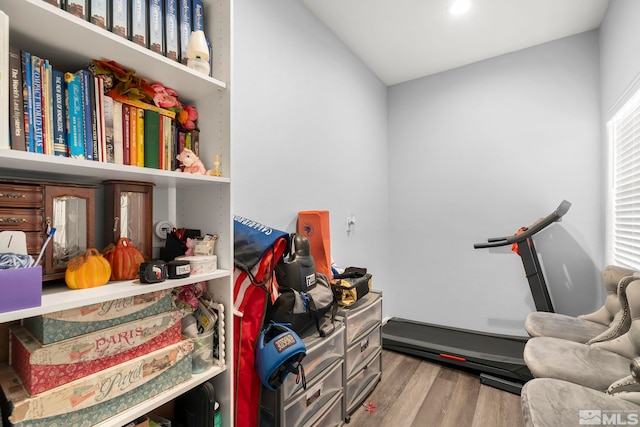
21,219
361,385
360,352
20,196
321,353
362,316
316,399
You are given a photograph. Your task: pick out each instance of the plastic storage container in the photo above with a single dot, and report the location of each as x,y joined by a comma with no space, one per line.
360,352
201,264
360,385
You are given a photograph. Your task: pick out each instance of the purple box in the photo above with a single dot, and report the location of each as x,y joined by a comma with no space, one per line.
21,288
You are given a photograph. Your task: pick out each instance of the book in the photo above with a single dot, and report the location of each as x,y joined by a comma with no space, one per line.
77,7
151,145
120,18
87,116
175,136
156,26
27,75
36,82
118,136
5,141
185,20
126,134
75,121
172,30
133,136
166,142
99,107
108,112
16,106
59,114
139,22
47,107
195,142
198,15
100,14
140,125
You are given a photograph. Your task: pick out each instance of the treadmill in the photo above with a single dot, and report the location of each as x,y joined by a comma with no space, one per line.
498,358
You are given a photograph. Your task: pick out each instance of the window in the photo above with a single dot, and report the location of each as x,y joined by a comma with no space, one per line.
623,210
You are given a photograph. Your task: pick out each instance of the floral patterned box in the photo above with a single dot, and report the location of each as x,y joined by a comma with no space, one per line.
93,399
43,367
61,325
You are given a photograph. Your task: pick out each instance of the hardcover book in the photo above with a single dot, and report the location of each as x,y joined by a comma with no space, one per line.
133,136
27,104
198,15
16,107
151,139
100,119
140,140
36,81
139,23
78,8
126,134
108,114
27,77
87,115
118,135
156,26
186,26
120,18
47,107
100,14
172,29
59,114
5,142
75,121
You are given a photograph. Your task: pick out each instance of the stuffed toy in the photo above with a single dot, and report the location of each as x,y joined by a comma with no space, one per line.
190,163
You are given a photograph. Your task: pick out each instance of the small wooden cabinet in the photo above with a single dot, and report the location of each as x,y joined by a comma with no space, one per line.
129,213
35,207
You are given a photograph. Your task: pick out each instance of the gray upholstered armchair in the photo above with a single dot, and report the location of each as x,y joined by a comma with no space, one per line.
585,327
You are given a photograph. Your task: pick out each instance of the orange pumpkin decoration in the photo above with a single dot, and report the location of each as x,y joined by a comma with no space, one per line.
124,258
87,271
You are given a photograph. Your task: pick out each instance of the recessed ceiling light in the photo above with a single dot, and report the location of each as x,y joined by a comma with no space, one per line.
459,7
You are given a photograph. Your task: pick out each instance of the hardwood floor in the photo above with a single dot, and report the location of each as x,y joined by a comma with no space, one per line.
418,393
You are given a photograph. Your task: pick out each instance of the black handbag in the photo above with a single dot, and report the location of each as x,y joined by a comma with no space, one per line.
350,290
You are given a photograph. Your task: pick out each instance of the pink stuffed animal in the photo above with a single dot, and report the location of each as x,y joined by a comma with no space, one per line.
190,163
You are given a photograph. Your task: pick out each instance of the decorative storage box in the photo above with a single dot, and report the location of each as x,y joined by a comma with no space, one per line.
201,264
90,400
61,325
21,288
42,368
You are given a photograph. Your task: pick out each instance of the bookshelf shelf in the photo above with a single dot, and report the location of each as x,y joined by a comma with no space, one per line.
192,201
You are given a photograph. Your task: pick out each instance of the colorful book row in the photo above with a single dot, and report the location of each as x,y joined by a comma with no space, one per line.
163,26
67,114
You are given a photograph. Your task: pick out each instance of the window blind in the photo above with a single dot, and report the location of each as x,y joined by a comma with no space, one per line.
624,135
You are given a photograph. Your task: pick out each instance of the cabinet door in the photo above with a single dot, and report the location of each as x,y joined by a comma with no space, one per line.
70,210
128,213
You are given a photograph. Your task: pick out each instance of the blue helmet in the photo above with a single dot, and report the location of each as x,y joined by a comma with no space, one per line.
278,353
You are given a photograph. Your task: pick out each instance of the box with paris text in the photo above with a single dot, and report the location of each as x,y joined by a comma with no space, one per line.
43,367
61,325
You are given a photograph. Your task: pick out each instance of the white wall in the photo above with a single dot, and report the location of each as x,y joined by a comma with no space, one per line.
479,151
309,131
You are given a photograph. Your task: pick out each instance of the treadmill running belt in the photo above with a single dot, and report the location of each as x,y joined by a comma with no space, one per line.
491,353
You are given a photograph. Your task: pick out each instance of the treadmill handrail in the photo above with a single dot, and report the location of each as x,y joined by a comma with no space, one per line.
554,216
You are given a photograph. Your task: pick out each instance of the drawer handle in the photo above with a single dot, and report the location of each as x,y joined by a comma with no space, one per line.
13,196
12,220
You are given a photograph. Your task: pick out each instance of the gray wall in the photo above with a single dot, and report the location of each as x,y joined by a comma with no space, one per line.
309,129
619,47
479,151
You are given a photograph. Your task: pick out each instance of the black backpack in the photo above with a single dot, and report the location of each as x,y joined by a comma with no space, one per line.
306,298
